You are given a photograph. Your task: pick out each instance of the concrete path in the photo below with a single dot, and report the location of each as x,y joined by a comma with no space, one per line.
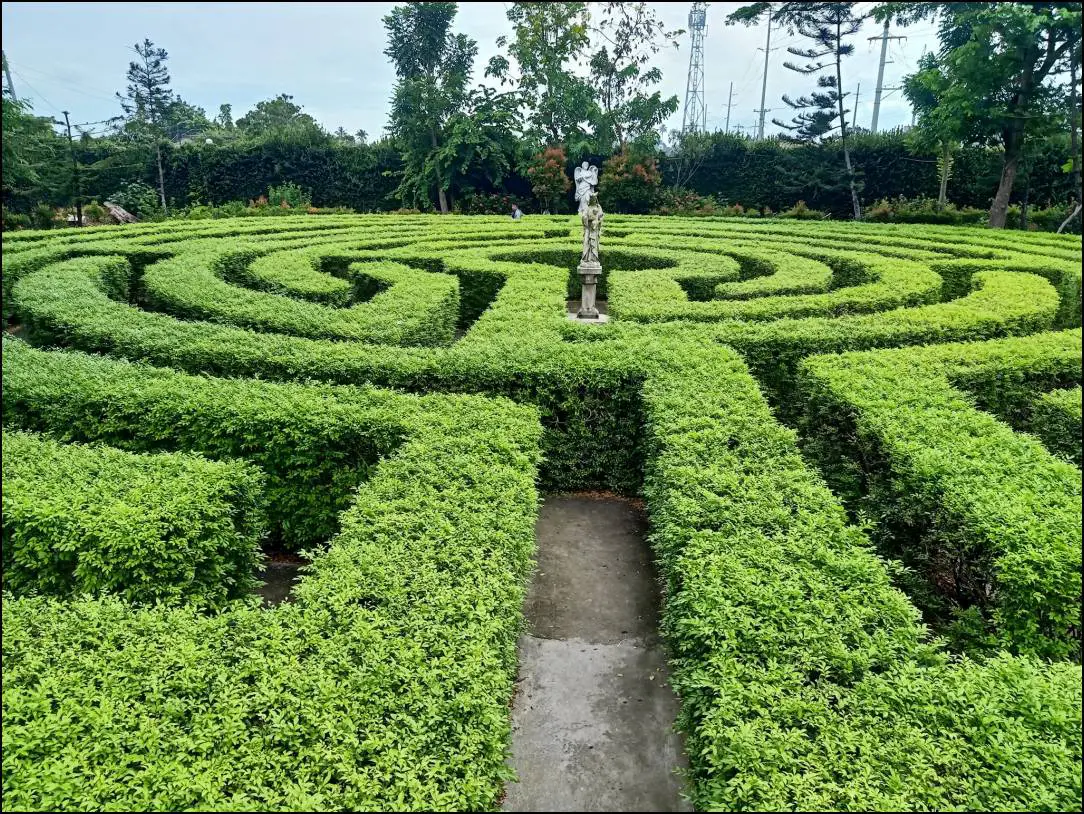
592,721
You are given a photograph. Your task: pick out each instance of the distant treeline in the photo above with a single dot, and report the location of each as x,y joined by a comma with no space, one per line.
734,169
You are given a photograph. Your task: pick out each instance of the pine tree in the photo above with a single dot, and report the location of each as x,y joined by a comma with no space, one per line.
147,101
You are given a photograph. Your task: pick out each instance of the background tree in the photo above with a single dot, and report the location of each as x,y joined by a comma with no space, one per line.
827,26
224,119
479,142
999,60
433,67
629,110
147,102
936,128
548,40
34,169
280,119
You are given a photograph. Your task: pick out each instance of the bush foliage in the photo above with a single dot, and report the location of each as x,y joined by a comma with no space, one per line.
368,365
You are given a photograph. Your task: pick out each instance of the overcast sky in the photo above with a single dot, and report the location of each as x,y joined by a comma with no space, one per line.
329,57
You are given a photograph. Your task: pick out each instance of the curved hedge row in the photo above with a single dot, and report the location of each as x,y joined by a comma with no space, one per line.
984,513
384,685
806,676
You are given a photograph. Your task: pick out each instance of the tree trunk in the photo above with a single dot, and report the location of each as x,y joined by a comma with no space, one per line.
1024,203
161,178
442,199
1074,125
946,168
843,129
1014,149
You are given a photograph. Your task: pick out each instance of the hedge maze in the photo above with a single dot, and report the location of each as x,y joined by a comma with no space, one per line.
859,447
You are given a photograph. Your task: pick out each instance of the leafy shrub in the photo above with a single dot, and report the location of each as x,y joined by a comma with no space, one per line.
629,183
802,212
549,181
385,684
15,220
314,457
1056,419
685,203
985,514
149,528
923,210
140,199
482,203
288,196
43,216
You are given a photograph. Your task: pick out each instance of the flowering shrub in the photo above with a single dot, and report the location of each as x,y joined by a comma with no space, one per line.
289,196
684,202
548,179
629,183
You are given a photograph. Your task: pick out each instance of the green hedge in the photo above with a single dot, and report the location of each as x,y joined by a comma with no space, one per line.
805,678
985,514
310,442
790,643
417,308
1056,419
385,685
148,528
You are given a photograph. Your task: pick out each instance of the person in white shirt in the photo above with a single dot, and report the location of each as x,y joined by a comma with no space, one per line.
517,213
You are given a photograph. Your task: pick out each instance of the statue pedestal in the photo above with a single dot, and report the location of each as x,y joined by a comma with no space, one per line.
589,274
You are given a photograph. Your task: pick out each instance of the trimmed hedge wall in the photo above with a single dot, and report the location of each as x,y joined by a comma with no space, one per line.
806,676
148,528
384,685
984,513
314,445
806,679
1056,419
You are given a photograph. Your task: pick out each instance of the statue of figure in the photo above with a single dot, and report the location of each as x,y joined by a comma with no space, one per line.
586,176
592,231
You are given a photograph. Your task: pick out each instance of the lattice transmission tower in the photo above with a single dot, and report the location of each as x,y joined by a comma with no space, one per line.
695,117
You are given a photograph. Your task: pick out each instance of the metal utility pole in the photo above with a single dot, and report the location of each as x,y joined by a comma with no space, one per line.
884,38
854,118
695,116
729,102
75,174
764,84
7,76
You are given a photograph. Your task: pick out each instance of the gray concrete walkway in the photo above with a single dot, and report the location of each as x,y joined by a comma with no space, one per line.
592,721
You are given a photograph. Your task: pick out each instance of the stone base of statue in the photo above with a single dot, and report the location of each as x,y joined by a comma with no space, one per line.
589,274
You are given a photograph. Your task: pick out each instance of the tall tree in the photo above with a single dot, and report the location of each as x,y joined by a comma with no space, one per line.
34,169
548,40
433,67
827,26
621,75
281,119
1000,61
148,101
224,119
936,128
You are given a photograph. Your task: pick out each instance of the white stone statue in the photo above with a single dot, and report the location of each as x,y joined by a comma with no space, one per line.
586,177
592,231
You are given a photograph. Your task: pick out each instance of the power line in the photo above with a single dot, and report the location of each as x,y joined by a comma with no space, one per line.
38,93
64,80
764,85
884,38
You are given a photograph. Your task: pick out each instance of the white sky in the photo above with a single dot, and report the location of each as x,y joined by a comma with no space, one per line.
329,57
